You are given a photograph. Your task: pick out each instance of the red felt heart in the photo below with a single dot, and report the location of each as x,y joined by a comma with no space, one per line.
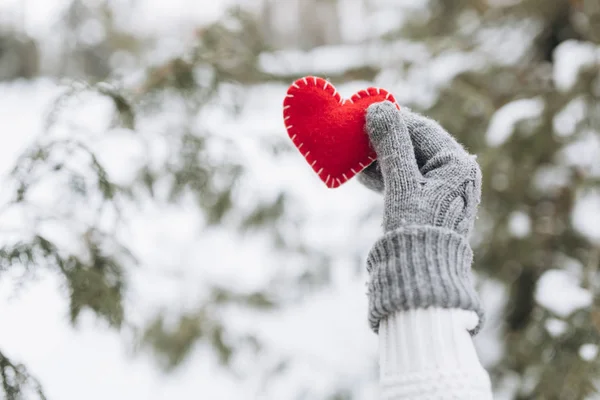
328,130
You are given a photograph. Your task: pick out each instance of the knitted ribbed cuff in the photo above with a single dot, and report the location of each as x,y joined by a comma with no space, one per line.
420,267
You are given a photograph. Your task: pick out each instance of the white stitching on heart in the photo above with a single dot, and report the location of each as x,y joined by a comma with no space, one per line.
329,182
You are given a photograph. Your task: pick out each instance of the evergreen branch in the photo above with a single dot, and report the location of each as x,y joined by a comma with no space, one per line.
17,382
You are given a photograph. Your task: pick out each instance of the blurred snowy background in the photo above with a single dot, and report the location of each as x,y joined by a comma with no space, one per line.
161,238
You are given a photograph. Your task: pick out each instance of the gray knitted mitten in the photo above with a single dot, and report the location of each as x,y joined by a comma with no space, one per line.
431,192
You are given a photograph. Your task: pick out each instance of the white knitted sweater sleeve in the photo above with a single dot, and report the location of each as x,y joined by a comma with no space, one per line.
428,354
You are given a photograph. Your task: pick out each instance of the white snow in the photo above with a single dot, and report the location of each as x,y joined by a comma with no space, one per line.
92,32
565,122
325,59
157,17
506,45
424,74
569,58
503,122
556,327
503,3
588,351
178,261
489,343
335,59
586,215
584,153
150,17
558,291
381,22
34,16
443,68
551,178
519,224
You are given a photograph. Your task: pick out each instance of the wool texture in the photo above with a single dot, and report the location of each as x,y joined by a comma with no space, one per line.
432,188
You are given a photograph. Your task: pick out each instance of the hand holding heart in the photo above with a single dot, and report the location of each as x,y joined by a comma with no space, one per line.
330,131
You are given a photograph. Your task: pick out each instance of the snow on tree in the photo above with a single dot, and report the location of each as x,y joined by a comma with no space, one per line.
154,185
